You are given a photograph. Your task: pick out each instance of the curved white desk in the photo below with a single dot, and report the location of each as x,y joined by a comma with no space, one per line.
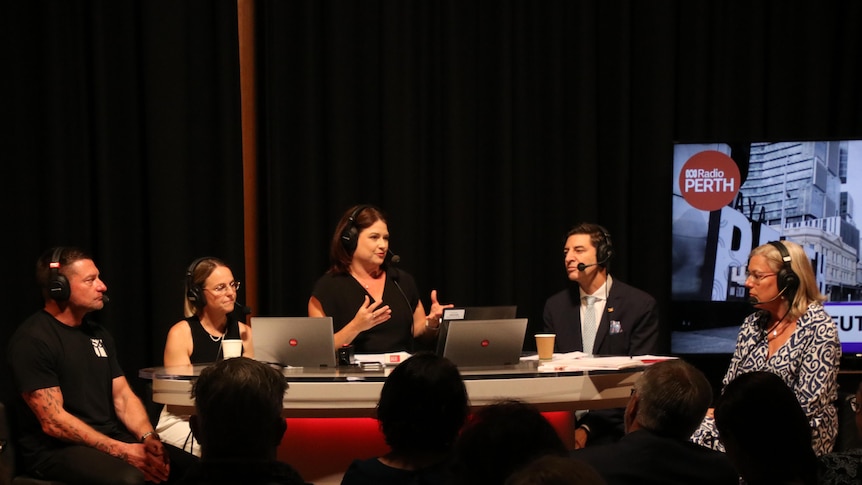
354,393
346,399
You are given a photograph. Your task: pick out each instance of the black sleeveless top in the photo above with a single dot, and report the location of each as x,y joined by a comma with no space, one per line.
204,349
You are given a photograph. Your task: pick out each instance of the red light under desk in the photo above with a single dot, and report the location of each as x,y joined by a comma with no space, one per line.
319,447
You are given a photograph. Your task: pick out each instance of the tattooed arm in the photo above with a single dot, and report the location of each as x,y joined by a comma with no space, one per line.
47,405
132,413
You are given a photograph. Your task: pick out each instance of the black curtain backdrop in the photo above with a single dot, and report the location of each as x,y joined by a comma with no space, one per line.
122,137
484,128
487,128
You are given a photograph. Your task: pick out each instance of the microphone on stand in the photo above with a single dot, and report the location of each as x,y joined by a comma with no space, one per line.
394,273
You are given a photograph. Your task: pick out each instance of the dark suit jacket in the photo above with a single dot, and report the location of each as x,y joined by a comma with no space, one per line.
635,332
643,457
635,310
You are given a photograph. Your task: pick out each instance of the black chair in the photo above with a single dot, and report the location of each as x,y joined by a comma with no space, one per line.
8,472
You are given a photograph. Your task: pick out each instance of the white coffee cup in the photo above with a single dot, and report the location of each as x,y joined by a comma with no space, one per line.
231,348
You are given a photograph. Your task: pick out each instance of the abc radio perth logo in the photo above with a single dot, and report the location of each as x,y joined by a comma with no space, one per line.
709,180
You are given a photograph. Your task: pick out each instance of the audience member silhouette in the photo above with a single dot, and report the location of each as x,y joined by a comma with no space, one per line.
239,425
499,439
668,402
422,406
845,467
556,470
765,431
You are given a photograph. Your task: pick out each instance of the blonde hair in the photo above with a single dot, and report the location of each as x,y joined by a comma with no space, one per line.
806,291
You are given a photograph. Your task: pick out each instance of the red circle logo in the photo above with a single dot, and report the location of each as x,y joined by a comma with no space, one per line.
709,180
292,342
485,343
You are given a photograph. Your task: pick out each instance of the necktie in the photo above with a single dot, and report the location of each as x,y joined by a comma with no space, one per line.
588,326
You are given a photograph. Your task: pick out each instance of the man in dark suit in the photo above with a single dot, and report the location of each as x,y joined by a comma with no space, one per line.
611,317
668,402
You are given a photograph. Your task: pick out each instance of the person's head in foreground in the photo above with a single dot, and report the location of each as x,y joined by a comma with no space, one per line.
501,438
765,431
423,405
239,402
670,398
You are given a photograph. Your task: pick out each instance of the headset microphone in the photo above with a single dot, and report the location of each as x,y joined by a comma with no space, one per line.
582,266
755,301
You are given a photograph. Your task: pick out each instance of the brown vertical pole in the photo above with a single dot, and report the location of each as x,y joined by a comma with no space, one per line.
248,105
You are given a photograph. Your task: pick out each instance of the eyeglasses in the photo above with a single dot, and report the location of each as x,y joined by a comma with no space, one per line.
220,289
757,277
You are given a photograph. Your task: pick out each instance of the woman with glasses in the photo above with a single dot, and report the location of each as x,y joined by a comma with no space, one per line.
210,298
791,335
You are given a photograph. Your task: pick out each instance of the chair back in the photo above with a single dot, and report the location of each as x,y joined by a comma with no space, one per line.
7,449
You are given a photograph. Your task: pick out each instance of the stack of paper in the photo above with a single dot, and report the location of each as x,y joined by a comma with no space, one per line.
577,361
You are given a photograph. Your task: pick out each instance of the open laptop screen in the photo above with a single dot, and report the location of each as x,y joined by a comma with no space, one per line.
470,343
294,341
472,313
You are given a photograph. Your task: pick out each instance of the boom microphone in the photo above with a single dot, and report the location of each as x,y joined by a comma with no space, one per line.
394,258
755,301
105,298
582,266
240,311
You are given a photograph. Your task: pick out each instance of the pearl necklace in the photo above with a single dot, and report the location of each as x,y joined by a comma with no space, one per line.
214,339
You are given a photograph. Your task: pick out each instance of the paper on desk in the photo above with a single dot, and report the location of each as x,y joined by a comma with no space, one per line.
576,361
392,358
566,356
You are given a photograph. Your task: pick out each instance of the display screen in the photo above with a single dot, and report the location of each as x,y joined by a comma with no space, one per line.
729,198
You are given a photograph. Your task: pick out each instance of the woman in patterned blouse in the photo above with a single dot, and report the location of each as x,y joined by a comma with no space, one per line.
790,335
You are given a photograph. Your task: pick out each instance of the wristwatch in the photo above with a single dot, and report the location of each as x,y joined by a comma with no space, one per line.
148,434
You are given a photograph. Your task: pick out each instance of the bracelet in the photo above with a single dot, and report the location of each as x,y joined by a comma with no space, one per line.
148,434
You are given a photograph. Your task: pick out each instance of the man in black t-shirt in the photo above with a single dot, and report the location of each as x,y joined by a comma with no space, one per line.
82,422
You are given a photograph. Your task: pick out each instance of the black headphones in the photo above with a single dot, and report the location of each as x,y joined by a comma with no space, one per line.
350,234
605,249
58,285
194,292
786,277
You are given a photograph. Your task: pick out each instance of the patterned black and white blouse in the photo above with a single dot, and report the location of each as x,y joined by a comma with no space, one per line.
808,363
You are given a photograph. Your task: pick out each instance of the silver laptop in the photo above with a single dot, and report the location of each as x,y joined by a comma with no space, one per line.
294,341
471,313
480,312
484,343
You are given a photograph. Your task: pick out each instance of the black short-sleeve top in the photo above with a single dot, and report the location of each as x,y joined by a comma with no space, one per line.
341,297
